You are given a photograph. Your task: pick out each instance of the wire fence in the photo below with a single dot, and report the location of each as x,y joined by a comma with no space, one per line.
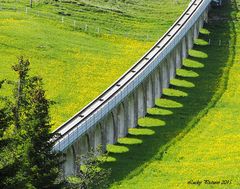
89,28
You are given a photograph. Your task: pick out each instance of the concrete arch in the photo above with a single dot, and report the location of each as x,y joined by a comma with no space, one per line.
81,147
172,63
98,136
69,164
184,48
205,17
104,134
165,74
178,56
84,144
110,129
141,99
190,38
121,123
132,109
201,21
157,84
198,26
150,92
195,30
159,70
187,45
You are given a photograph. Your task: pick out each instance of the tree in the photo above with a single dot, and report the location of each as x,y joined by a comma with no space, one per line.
4,120
90,173
27,159
6,167
41,165
44,164
22,69
34,164
9,164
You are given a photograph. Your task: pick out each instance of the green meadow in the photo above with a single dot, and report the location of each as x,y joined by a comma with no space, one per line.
78,62
190,139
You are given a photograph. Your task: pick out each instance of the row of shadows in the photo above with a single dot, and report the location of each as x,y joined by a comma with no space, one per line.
189,93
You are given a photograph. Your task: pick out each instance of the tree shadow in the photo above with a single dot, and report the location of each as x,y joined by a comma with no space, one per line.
191,92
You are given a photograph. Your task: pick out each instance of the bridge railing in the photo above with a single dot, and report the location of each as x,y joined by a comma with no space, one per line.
106,102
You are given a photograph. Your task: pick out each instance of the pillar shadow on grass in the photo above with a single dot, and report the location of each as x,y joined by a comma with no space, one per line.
176,111
174,92
189,63
159,111
114,148
187,73
197,54
150,122
167,103
182,83
129,141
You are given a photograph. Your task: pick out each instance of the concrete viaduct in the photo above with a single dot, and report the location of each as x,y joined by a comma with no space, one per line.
117,109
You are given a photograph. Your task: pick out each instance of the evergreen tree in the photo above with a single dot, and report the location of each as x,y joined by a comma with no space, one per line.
9,164
27,159
4,120
32,163
19,109
43,163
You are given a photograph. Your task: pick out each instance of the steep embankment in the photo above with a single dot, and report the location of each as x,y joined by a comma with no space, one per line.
195,131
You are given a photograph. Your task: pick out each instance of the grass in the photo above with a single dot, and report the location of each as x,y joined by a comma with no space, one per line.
167,103
174,92
159,111
186,73
138,131
200,138
129,141
182,83
150,122
77,65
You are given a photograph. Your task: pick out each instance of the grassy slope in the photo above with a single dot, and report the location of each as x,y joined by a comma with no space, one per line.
195,134
76,65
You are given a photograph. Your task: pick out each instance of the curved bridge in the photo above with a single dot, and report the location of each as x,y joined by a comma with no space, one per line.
109,116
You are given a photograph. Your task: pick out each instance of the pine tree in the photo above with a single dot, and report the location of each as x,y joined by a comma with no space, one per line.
9,164
19,109
32,163
4,120
43,167
40,164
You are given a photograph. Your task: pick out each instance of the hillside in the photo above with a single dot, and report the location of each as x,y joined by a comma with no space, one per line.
80,47
190,139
